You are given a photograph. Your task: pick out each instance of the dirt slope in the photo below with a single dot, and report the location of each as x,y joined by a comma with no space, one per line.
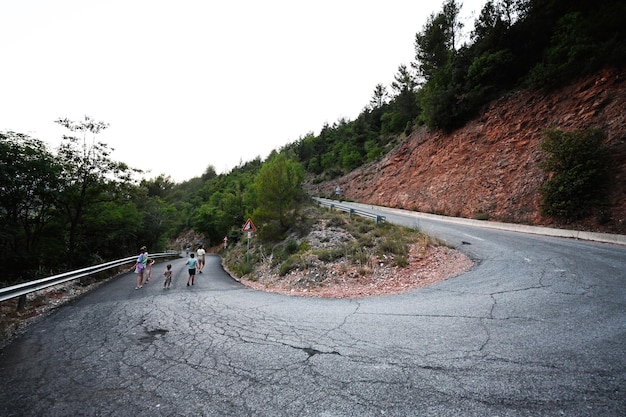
489,168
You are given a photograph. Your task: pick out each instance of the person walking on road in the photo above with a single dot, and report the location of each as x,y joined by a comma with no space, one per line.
148,265
168,276
201,254
191,265
139,268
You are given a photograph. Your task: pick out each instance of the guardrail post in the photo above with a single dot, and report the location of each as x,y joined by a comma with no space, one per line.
351,211
21,302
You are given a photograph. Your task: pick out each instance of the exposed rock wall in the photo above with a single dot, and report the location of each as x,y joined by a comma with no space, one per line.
490,168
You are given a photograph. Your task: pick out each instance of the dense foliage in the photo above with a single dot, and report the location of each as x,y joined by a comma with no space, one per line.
76,206
278,190
64,209
578,167
514,43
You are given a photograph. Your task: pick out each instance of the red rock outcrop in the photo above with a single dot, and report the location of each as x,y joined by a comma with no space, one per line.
490,167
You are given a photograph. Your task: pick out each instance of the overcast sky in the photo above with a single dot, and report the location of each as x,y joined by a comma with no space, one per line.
190,83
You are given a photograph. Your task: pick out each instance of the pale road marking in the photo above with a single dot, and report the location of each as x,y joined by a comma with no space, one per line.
473,237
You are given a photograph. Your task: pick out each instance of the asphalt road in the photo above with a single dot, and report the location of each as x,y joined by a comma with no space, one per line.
536,328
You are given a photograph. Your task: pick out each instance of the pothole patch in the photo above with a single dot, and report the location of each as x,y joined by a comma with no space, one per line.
152,335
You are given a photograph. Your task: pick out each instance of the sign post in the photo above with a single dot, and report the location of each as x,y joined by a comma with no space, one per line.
250,228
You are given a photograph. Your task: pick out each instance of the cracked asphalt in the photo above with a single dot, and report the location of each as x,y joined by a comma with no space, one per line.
536,328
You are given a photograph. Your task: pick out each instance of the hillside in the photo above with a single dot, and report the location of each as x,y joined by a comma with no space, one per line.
489,169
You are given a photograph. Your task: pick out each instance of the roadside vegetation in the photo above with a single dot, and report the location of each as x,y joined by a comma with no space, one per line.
324,237
578,168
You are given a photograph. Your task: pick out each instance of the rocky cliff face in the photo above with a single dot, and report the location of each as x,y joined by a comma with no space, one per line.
489,169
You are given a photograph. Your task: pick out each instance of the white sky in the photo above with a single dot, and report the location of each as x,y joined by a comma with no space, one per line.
189,83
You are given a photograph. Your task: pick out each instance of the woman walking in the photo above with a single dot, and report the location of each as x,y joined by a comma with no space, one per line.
140,267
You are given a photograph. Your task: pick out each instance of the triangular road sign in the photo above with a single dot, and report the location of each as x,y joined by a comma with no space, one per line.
249,226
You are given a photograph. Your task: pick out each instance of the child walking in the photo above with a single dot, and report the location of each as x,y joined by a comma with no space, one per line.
168,277
191,265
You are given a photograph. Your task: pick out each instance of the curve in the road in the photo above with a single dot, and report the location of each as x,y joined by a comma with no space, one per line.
536,328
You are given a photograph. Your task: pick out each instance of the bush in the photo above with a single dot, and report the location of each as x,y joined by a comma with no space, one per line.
243,268
481,215
401,261
293,262
359,255
366,241
282,253
336,221
330,255
285,267
365,226
393,245
291,247
578,174
271,231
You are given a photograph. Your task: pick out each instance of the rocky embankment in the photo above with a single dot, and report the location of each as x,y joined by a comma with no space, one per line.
490,169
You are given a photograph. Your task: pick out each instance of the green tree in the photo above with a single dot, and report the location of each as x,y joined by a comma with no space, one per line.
431,46
89,177
220,206
404,106
453,26
488,71
441,98
208,219
278,189
485,25
351,157
584,39
160,186
113,229
379,97
436,43
29,181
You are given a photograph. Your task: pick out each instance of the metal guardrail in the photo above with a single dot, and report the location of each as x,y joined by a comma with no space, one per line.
20,290
332,204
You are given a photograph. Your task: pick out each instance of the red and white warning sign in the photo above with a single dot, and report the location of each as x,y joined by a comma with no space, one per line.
249,226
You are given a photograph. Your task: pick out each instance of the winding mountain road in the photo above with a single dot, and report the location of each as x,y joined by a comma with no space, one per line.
536,328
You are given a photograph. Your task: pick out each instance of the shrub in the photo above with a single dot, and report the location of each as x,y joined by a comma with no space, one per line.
481,215
401,260
365,226
285,267
291,247
271,231
358,254
366,241
293,262
577,165
330,255
336,221
393,245
243,268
